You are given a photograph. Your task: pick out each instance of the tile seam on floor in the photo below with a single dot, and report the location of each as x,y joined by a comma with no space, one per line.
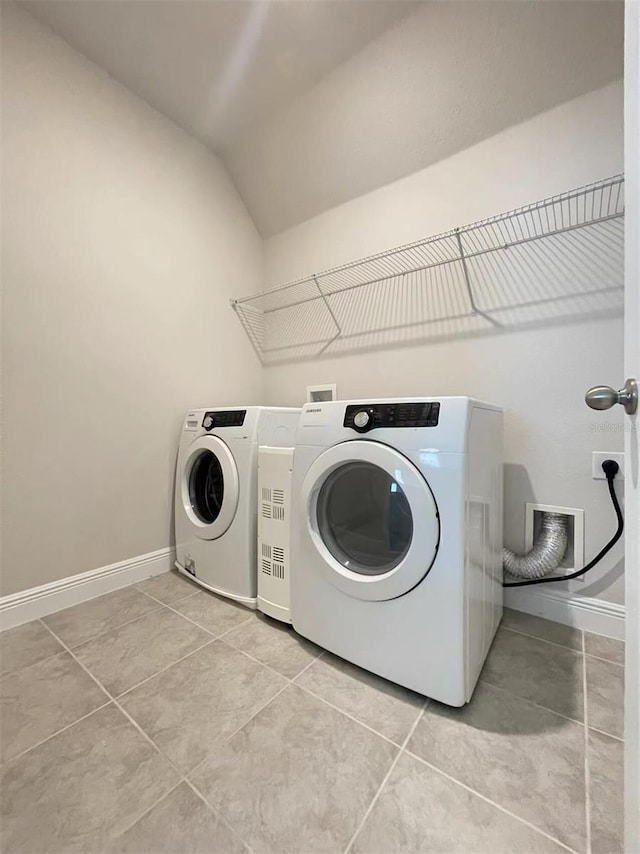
54,734
232,735
218,815
347,715
383,783
606,660
489,801
543,640
162,670
199,625
106,631
257,660
608,734
293,681
33,664
587,777
121,626
530,702
155,598
182,776
288,682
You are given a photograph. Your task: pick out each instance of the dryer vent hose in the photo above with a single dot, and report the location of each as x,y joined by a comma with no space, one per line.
547,552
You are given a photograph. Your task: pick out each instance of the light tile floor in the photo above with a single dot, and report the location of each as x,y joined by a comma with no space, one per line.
160,718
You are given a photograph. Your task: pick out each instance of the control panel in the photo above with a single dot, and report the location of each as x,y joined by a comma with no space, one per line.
362,417
231,418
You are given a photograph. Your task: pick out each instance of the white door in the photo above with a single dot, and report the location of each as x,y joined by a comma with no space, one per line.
632,435
373,519
209,487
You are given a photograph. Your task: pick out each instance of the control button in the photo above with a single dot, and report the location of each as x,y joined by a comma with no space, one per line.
208,422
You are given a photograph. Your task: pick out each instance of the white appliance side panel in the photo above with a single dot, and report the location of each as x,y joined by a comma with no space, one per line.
274,508
483,564
278,427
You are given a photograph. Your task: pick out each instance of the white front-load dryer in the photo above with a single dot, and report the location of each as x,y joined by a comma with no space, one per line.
216,494
396,548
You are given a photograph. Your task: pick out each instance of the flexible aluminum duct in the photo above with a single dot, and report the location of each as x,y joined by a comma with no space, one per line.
547,552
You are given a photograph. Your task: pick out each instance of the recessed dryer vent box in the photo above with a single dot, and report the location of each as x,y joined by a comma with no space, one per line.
321,393
574,556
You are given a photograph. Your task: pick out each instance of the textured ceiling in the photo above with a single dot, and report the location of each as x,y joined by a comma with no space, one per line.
311,103
217,67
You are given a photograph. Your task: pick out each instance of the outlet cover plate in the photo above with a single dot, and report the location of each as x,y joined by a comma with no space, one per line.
598,457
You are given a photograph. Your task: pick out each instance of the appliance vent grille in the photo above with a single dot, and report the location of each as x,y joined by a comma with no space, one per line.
273,511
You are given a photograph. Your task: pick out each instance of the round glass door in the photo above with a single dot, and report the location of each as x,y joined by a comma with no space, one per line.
209,487
371,519
364,518
206,487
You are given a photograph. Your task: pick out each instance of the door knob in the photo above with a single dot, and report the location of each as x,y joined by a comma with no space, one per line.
604,397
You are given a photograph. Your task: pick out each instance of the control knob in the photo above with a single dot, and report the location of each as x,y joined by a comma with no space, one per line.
208,422
362,421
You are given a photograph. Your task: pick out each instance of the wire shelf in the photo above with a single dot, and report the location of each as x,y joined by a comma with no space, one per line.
557,258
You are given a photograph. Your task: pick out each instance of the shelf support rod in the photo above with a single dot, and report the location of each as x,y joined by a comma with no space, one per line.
467,280
333,317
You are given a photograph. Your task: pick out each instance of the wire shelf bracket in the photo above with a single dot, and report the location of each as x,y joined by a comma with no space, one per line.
559,257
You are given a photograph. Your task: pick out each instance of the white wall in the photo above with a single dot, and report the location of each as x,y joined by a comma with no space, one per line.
123,240
444,78
538,375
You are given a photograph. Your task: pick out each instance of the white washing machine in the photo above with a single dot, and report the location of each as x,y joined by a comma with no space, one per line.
216,494
397,546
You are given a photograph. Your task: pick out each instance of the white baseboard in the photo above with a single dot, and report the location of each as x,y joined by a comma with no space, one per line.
592,615
19,608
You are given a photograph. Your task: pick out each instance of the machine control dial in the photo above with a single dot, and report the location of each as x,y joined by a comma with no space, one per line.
208,422
361,419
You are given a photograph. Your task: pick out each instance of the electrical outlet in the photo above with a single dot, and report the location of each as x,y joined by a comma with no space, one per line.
598,457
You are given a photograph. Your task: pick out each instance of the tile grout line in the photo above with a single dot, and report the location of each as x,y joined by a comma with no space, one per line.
155,598
106,631
288,683
530,702
33,664
182,777
582,649
199,625
347,715
234,733
57,732
386,777
162,670
488,800
218,815
543,640
606,660
587,772
608,734
268,666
